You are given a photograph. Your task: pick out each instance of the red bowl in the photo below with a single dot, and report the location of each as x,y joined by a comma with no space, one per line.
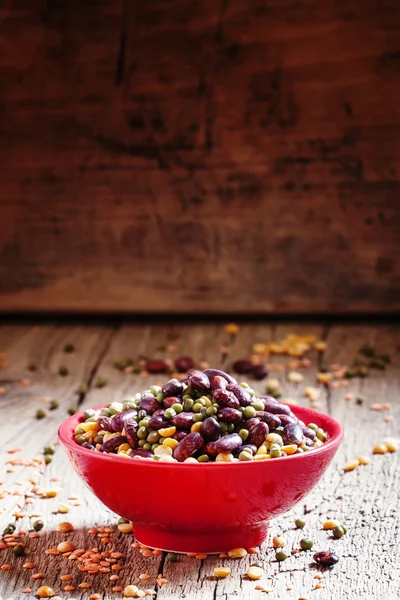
209,507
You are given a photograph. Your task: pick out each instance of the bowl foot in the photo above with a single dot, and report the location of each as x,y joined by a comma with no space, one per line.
212,542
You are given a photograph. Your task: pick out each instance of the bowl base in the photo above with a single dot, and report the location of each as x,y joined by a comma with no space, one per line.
213,542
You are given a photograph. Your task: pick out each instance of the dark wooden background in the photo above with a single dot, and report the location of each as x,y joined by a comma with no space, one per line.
203,155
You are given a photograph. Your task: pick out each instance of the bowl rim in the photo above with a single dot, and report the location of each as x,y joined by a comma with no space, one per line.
66,439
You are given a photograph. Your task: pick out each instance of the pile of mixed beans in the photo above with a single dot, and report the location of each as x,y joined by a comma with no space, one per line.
206,417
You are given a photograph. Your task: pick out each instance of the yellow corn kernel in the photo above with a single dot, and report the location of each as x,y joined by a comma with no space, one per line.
324,377
328,525
295,377
124,454
124,448
125,527
237,553
318,443
278,542
260,349
63,508
222,572
170,442
255,573
261,456
89,426
262,449
351,465
391,445
379,449
232,328
224,457
167,431
163,451
196,426
50,493
363,460
290,449
274,438
320,346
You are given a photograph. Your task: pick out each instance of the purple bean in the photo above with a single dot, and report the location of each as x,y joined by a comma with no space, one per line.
257,434
131,428
88,446
199,381
243,366
141,452
273,421
117,421
230,415
216,372
241,394
170,401
218,383
285,419
326,559
105,424
227,443
179,435
210,429
249,423
188,446
274,407
158,422
149,404
184,364
157,366
259,371
183,420
173,387
112,444
309,433
309,442
292,434
225,398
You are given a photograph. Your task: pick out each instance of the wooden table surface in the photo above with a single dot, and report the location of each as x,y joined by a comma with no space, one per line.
366,499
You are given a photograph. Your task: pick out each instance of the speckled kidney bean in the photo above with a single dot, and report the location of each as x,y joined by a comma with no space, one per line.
173,387
199,381
188,446
117,421
88,446
225,444
131,428
243,366
218,383
210,429
184,364
217,372
225,399
292,434
183,421
149,404
258,433
141,452
273,421
309,442
157,366
249,423
157,421
105,424
230,415
326,559
259,372
241,394
112,444
274,407
170,401
309,433
179,435
285,419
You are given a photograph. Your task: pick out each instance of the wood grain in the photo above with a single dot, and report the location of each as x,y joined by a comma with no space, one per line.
200,157
366,499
